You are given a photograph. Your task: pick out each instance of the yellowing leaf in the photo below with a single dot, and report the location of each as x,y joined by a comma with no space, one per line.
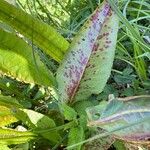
7,119
9,136
17,60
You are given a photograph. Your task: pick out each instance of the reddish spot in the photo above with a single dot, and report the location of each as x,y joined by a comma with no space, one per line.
106,46
92,40
66,74
73,53
73,81
110,13
93,66
80,69
89,79
88,65
95,47
99,37
108,42
101,49
94,25
77,74
71,89
94,72
71,67
83,60
106,10
80,50
105,34
70,73
95,16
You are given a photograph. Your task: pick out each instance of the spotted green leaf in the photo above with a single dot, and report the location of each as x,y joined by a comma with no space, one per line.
17,61
124,112
43,35
87,66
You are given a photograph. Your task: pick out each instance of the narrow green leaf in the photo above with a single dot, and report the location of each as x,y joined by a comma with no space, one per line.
9,102
126,22
17,60
43,36
9,136
120,113
87,65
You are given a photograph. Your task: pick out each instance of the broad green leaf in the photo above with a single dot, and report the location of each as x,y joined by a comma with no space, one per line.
9,136
17,60
120,113
43,36
87,66
37,121
68,112
76,135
